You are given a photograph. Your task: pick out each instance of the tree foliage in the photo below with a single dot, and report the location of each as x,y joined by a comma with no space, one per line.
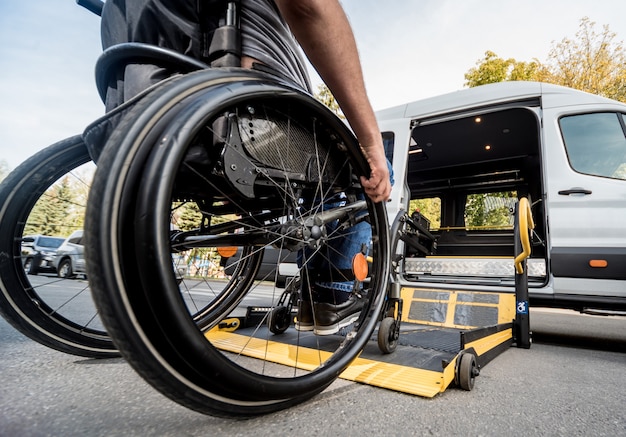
187,216
53,214
324,95
491,210
483,210
493,69
429,208
60,210
594,61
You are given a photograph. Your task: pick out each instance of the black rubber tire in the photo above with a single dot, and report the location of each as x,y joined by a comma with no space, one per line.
29,266
24,303
65,269
141,305
386,343
467,371
279,319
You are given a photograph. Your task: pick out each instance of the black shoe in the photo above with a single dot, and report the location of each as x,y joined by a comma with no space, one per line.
304,319
329,318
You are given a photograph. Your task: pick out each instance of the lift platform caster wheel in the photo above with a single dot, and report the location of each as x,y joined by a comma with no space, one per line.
467,371
279,320
387,335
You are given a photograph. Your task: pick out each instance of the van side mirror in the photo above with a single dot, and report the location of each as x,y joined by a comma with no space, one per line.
28,241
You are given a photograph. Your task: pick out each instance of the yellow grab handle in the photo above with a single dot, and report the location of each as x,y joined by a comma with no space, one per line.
525,223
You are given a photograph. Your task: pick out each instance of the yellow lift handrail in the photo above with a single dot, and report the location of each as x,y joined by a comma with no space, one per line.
525,222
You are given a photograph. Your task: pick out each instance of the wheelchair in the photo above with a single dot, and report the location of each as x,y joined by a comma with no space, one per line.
205,164
54,311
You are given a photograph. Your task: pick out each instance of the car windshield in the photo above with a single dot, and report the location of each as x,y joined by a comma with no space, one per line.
51,242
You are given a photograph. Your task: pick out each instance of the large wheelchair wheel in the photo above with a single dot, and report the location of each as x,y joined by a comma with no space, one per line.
47,194
216,163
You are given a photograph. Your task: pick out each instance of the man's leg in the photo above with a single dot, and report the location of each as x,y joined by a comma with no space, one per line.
331,298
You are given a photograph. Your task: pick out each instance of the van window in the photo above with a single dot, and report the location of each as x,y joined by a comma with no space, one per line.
388,143
490,210
596,143
429,208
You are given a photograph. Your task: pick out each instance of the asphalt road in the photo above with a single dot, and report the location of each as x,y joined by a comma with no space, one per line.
571,382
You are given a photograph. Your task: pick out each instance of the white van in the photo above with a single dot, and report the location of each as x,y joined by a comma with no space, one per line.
465,158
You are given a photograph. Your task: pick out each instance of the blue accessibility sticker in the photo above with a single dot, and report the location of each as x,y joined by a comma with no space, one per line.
522,307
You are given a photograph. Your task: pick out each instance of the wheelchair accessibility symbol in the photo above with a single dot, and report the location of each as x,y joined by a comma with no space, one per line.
522,307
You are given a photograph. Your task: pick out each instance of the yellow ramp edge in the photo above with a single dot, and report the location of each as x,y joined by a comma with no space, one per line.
490,342
405,379
391,376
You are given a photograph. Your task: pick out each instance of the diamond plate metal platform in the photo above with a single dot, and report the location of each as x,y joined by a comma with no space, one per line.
489,267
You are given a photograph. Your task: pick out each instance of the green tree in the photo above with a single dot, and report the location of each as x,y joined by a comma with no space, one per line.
429,208
489,209
79,186
200,261
52,214
61,209
187,217
593,61
493,68
324,95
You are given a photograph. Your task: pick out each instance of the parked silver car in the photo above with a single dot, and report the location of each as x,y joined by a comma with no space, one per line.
38,253
70,257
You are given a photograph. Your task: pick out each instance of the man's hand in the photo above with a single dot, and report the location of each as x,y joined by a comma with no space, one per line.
378,185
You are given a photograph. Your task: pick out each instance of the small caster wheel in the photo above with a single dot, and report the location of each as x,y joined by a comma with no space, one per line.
387,337
279,320
467,371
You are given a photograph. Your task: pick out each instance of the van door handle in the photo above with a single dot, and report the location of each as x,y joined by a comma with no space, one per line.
575,190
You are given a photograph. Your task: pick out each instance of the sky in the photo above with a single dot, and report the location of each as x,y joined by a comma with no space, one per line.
410,49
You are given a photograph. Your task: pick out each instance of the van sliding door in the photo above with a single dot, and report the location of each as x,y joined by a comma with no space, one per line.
586,180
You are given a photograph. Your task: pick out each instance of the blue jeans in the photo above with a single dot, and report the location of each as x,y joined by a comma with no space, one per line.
330,269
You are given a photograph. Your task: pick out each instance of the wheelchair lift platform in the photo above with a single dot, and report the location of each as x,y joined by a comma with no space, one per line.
446,337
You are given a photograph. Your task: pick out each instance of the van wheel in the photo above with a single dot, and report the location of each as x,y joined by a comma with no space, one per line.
65,269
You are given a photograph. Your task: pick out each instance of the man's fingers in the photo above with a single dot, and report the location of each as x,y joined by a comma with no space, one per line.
377,189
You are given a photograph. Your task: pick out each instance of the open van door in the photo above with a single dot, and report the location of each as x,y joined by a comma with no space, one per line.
585,168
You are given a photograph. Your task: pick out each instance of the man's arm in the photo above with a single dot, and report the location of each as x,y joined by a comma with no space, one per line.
322,29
